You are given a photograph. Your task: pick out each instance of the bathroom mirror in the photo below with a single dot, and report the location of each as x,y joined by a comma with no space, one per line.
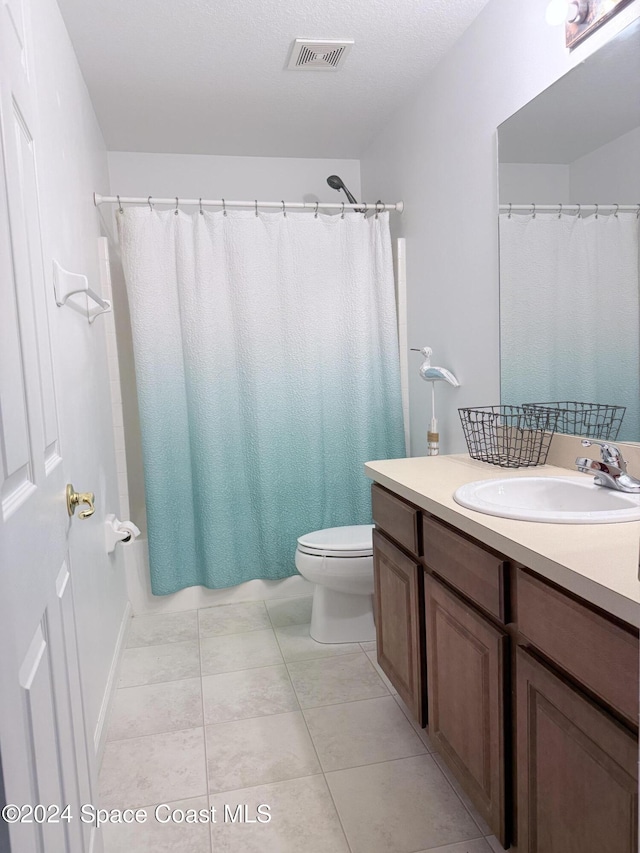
569,192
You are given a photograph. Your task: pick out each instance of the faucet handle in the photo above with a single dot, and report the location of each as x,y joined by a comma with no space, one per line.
609,453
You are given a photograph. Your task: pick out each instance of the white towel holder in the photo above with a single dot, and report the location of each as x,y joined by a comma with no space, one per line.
66,284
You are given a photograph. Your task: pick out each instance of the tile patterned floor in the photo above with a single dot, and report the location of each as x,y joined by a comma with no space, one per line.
237,705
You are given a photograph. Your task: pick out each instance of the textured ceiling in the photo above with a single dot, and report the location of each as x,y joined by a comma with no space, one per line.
208,76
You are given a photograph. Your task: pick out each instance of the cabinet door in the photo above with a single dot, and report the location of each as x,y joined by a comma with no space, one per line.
466,689
576,769
399,622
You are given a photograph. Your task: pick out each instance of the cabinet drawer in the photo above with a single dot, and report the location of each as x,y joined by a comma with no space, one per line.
397,518
476,572
598,653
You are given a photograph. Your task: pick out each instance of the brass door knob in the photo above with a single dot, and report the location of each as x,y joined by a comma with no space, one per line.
75,498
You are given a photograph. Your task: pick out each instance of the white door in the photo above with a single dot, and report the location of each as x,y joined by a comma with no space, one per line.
42,732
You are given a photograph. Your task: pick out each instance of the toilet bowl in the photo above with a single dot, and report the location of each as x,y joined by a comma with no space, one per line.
339,561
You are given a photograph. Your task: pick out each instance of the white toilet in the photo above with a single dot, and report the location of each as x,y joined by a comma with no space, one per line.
339,561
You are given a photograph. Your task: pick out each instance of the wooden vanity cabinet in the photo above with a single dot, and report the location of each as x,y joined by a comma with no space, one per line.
576,711
399,624
577,787
399,597
532,692
466,664
598,653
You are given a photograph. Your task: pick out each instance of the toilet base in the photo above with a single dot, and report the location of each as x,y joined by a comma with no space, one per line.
341,617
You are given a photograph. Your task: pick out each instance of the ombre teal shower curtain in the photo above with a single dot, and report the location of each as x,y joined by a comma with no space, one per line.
267,369
570,311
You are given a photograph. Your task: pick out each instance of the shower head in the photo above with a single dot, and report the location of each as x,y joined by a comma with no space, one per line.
336,183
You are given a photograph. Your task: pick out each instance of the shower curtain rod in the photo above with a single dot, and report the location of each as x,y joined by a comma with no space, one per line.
220,202
531,207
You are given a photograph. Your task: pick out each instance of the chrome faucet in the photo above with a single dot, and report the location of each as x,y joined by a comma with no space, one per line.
611,472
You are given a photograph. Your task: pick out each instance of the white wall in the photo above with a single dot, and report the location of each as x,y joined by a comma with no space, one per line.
72,163
203,176
211,176
438,153
610,174
542,183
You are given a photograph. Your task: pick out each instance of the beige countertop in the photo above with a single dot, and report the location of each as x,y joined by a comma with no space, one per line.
598,562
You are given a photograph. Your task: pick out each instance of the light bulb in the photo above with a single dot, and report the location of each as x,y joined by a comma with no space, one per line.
571,11
578,10
557,11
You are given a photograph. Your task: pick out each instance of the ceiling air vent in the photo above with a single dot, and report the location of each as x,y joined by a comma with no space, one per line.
314,55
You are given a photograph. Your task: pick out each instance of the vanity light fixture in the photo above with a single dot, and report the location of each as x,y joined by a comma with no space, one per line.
567,11
582,17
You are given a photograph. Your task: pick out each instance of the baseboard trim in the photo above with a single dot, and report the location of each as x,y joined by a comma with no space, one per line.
112,683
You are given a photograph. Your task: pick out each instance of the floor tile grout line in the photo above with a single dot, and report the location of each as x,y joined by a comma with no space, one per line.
256,717
427,749
392,760
331,657
154,734
413,723
452,786
204,731
163,681
391,695
295,693
165,642
313,746
233,633
265,784
324,777
370,763
259,717
242,669
206,724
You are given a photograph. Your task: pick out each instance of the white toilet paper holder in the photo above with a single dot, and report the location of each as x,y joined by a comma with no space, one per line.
118,531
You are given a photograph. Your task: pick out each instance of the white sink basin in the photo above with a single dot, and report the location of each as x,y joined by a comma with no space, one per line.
556,500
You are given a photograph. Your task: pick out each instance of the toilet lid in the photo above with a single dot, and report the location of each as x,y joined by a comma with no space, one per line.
353,541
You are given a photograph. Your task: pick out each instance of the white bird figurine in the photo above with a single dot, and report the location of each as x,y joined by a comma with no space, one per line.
433,375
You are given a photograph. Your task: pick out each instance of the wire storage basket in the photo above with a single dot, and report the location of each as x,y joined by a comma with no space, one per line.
595,420
509,436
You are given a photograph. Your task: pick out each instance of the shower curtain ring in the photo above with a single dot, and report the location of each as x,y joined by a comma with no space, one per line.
120,210
316,213
150,205
224,208
256,207
509,214
378,203
638,212
201,210
597,206
616,211
342,214
364,211
284,210
560,211
534,210
176,210
579,211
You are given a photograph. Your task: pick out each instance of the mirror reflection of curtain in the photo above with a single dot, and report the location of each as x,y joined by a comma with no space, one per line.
267,367
570,312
